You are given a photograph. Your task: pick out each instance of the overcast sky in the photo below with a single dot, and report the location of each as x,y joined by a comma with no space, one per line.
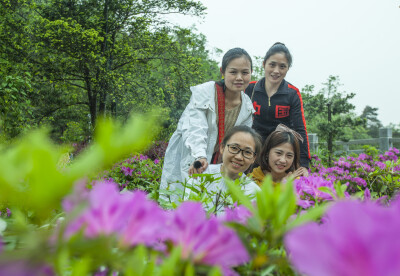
357,40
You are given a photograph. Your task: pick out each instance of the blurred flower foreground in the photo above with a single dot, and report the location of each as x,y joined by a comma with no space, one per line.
98,215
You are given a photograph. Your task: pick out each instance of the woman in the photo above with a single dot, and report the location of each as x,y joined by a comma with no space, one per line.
276,101
238,150
213,109
280,156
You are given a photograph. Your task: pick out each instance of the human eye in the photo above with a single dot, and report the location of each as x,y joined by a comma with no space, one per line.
283,66
290,156
234,148
272,64
248,153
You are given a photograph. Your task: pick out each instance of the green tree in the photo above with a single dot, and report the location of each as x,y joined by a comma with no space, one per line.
329,112
370,114
91,48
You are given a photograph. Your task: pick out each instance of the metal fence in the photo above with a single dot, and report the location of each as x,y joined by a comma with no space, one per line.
383,142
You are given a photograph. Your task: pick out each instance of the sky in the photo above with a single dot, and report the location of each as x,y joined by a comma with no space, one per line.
357,40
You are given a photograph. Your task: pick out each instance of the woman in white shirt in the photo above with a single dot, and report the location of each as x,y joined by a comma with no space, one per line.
238,149
214,108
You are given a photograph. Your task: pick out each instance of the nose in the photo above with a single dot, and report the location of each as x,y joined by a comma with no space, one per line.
239,76
282,159
239,155
276,69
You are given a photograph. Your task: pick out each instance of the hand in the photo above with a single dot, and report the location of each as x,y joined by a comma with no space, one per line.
297,173
302,171
204,165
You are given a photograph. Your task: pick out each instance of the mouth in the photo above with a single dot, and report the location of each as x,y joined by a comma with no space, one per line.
236,165
238,84
280,166
275,77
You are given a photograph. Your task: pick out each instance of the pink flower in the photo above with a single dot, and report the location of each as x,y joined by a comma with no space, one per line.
130,216
205,241
238,214
25,268
356,238
156,161
126,170
79,195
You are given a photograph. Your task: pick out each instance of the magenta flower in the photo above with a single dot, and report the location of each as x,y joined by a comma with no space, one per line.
145,223
307,190
130,216
238,214
126,170
8,212
156,161
25,268
356,238
78,196
205,241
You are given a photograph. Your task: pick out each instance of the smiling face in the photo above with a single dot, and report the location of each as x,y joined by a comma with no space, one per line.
280,159
276,67
233,164
237,74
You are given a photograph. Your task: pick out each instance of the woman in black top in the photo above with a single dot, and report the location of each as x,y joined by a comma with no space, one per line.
276,101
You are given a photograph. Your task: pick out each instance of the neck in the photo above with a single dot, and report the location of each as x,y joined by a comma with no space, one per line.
277,177
231,95
271,88
227,174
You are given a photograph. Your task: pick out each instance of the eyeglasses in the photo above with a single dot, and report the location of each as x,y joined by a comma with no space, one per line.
234,149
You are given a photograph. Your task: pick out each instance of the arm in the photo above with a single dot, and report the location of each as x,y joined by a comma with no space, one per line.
195,127
299,124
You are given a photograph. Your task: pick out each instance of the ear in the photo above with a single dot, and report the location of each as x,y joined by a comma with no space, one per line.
221,149
220,69
263,64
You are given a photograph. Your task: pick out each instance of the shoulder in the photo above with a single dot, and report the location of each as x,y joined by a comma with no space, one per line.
203,94
291,88
257,175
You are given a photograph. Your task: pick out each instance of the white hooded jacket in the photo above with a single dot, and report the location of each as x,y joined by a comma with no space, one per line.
197,133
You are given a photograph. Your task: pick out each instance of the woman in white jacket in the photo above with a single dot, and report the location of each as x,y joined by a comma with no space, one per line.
200,130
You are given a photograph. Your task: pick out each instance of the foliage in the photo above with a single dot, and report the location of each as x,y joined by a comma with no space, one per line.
329,113
379,173
138,172
102,58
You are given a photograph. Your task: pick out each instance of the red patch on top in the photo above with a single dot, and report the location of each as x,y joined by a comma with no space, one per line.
257,108
282,111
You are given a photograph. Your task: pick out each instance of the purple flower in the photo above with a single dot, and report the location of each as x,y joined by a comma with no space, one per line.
25,268
130,216
143,157
79,195
127,171
238,214
367,194
396,151
156,161
205,241
381,165
8,212
356,238
145,223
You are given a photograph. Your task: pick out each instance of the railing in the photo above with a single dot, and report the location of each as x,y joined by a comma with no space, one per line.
384,142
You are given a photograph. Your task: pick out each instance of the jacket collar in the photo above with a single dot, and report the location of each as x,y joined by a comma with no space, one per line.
260,87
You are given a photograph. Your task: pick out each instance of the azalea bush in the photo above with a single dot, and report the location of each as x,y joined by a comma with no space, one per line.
137,172
368,174
57,220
